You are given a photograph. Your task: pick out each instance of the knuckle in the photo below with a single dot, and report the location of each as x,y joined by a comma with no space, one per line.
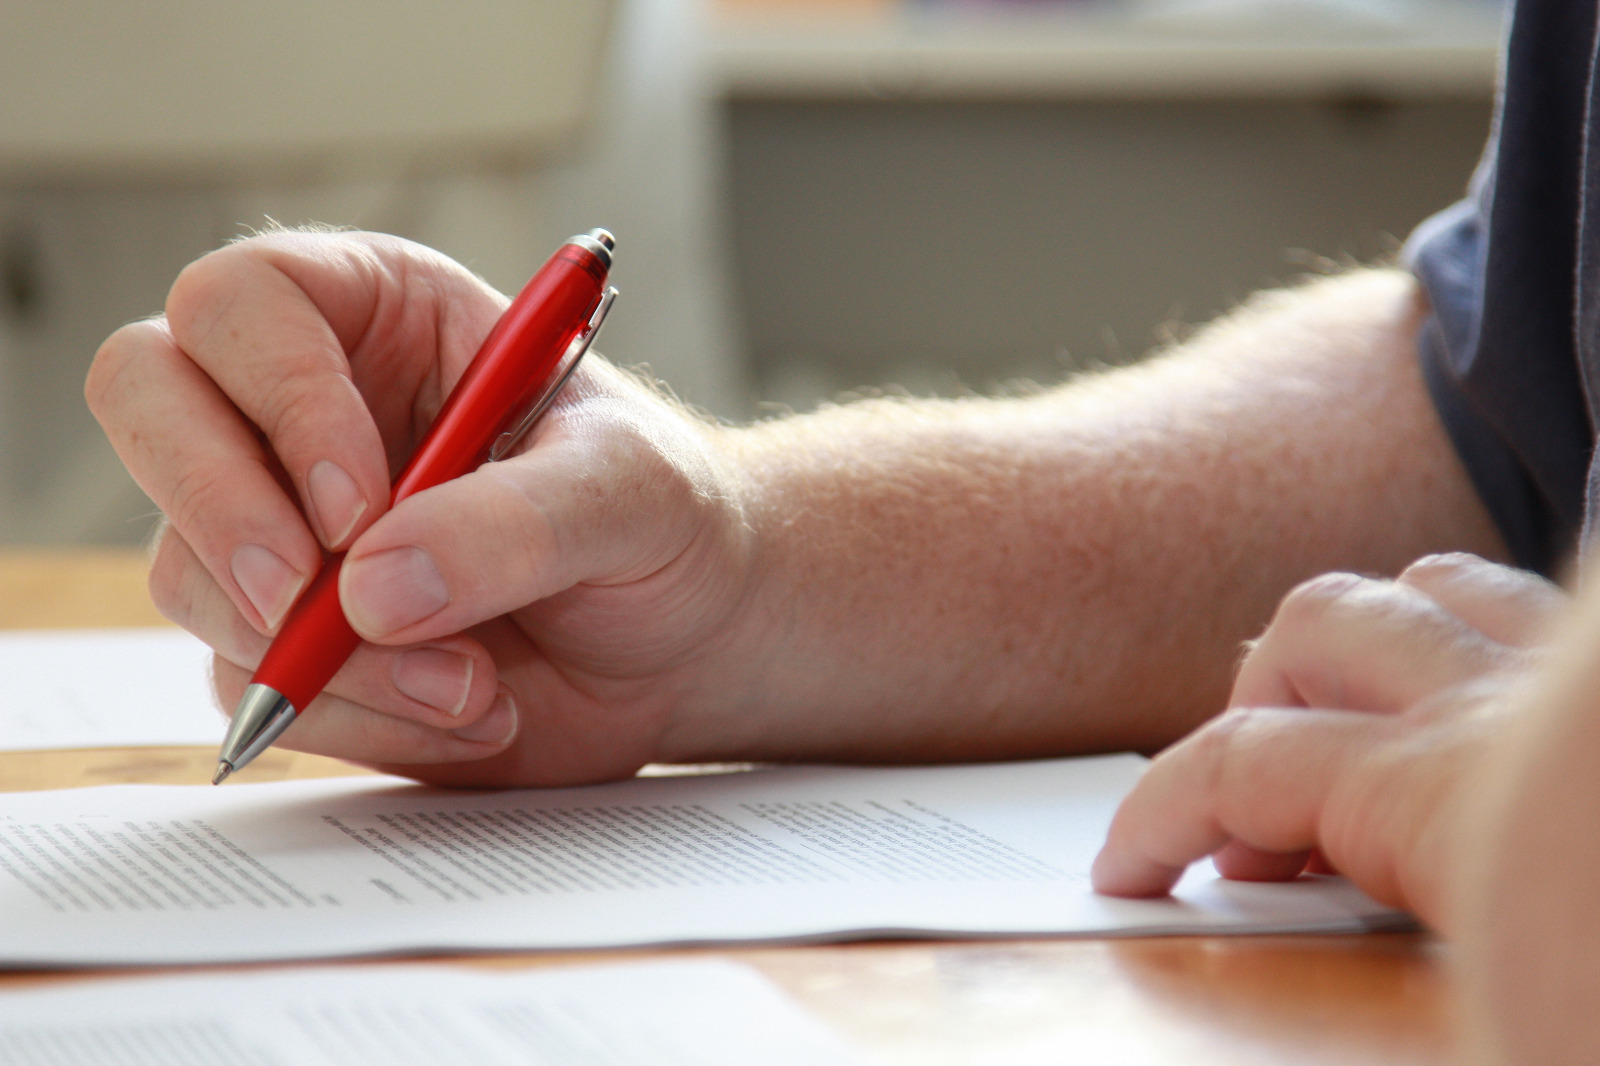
1446,562
1460,579
1444,568
1311,602
195,493
1223,733
117,359
1216,744
295,402
204,289
281,403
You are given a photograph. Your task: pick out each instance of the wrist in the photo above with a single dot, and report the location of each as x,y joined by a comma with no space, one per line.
755,688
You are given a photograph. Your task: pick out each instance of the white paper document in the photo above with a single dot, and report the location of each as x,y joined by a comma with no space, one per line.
708,1013
310,869
56,689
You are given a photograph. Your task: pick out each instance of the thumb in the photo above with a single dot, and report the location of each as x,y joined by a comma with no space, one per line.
600,498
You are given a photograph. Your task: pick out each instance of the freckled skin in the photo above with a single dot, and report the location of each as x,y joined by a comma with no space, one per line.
1076,571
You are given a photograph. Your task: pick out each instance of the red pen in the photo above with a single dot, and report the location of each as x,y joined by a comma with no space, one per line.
517,372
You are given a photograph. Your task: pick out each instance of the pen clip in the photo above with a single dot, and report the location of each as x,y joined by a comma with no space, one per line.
569,362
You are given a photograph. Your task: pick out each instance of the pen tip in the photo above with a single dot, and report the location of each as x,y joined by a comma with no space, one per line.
223,770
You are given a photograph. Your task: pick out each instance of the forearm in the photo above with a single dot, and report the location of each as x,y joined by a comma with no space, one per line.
1075,571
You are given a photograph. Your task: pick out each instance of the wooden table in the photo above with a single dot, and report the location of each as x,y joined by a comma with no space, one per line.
1200,1001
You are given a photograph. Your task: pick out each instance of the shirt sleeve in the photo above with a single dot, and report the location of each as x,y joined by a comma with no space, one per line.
1498,348
1446,255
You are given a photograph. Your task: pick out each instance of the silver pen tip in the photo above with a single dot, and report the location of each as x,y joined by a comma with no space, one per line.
223,770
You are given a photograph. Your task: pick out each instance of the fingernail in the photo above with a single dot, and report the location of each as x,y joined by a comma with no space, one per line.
439,678
269,583
336,503
496,727
386,592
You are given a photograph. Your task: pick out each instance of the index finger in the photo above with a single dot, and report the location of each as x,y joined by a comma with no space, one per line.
205,467
269,321
1262,777
335,348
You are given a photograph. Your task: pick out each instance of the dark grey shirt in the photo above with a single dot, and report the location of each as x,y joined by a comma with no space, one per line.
1511,351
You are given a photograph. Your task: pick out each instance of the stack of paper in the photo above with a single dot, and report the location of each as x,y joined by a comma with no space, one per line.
314,869
712,1013
105,688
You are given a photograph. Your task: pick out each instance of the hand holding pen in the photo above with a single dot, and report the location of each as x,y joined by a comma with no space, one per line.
528,622
522,365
